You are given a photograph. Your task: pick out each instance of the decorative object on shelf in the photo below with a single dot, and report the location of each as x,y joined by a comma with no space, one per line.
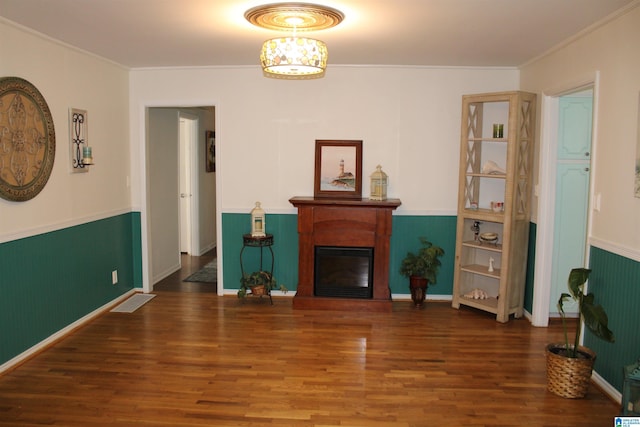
491,168
81,152
422,269
475,227
338,169
491,261
258,221
27,140
569,366
294,57
497,206
488,238
631,389
210,150
379,183
498,130
476,293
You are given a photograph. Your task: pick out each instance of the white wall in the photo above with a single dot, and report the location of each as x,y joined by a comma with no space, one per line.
408,118
613,53
206,185
68,78
163,191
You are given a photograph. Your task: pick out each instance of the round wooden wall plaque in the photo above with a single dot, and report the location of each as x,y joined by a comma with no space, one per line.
27,140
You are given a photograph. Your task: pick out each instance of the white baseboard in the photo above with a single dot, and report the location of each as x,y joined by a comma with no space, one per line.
394,297
207,249
607,388
62,333
169,271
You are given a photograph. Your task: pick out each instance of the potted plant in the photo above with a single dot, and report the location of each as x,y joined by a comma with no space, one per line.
258,283
569,365
422,269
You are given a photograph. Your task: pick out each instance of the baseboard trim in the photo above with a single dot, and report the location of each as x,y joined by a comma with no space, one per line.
606,388
168,272
52,339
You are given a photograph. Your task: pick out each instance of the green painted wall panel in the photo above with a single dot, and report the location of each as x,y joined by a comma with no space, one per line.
285,249
441,230
615,282
531,263
51,280
136,248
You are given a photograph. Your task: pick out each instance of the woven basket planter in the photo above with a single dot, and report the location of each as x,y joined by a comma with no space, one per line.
569,377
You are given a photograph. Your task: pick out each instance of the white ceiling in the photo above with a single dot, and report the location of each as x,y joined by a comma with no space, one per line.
174,33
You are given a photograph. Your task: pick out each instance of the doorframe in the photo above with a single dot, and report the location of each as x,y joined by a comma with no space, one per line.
143,174
194,201
546,188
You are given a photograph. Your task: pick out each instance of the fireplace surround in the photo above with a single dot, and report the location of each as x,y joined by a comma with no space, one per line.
344,223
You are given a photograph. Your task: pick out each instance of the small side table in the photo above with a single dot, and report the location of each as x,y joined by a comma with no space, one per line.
258,242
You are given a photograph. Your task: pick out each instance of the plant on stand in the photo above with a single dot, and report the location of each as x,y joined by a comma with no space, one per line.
569,366
422,269
259,283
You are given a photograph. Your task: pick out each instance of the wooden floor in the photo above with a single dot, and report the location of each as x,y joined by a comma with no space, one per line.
192,358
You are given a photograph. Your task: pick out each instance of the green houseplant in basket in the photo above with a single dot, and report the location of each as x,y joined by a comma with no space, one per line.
422,269
569,365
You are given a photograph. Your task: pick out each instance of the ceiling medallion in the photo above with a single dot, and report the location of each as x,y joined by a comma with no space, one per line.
298,16
292,57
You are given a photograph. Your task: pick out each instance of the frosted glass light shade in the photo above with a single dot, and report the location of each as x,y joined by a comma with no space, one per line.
294,58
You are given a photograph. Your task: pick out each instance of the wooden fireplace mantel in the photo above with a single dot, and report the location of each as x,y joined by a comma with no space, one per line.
343,222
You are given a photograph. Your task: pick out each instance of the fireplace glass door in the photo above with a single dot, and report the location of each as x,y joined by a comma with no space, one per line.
343,272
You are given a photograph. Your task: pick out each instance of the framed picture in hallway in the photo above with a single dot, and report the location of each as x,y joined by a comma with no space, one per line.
338,169
210,150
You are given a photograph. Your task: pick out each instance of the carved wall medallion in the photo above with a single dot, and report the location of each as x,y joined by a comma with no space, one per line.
27,140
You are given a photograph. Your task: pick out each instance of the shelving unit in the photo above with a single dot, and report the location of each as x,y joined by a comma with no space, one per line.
480,187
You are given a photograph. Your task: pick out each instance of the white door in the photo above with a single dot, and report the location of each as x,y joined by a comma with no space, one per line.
188,129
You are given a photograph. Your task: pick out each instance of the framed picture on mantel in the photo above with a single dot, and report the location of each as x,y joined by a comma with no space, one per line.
338,169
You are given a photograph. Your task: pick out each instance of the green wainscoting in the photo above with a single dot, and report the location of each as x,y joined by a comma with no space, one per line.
53,279
531,265
441,230
284,228
615,282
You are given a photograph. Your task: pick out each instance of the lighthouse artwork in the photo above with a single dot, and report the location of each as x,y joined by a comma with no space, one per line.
338,169
344,180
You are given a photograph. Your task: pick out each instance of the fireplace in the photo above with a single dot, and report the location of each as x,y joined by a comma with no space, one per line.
343,272
354,227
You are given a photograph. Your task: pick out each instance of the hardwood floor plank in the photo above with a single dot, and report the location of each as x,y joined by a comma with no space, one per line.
196,359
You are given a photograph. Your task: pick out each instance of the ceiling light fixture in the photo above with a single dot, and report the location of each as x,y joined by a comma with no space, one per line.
293,57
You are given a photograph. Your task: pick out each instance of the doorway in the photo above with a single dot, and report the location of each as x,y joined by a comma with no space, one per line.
564,189
175,166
